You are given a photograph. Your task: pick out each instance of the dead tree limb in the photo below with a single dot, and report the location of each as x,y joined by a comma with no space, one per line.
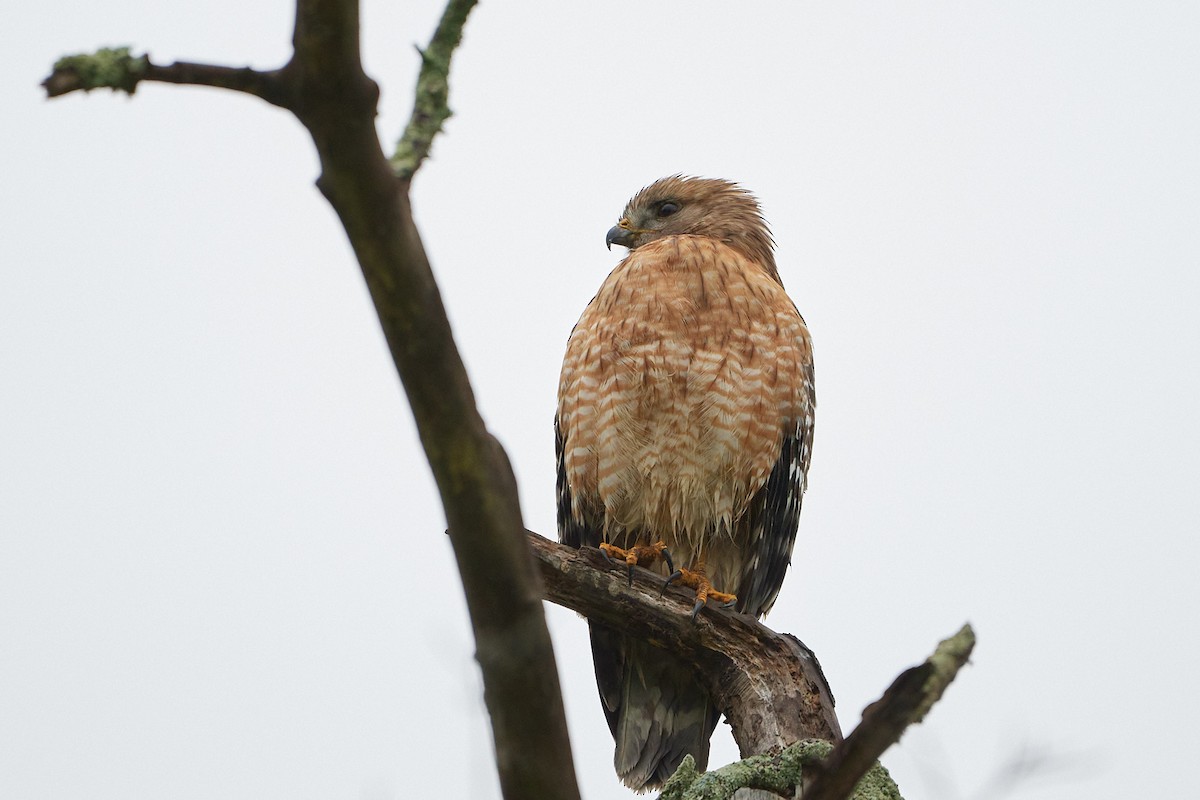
325,86
769,685
117,69
906,702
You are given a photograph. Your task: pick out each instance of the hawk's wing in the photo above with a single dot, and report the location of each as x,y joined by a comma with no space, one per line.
571,531
773,517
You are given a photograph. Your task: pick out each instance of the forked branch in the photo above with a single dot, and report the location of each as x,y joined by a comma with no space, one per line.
325,86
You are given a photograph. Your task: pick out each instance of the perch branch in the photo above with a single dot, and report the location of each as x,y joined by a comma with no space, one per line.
769,685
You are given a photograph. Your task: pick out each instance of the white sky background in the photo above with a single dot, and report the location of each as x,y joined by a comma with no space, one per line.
221,566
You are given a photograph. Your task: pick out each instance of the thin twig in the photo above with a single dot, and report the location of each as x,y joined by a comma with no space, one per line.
117,69
431,105
263,84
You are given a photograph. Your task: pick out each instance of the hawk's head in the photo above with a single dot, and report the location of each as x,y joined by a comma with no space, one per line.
682,206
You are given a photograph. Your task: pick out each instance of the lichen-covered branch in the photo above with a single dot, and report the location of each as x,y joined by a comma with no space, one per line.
325,86
770,777
108,68
769,685
777,773
431,106
906,702
118,69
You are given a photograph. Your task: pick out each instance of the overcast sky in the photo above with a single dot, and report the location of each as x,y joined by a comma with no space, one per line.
222,573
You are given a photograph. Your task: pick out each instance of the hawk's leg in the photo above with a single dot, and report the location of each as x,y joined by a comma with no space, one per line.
695,578
640,555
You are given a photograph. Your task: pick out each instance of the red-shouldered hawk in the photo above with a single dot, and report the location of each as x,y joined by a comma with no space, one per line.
685,419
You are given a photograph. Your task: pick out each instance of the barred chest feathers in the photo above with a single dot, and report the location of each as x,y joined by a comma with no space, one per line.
681,374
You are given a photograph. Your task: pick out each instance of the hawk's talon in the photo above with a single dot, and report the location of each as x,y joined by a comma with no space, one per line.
666,555
640,555
696,579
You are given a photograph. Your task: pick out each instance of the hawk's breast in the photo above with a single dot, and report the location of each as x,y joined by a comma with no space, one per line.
679,381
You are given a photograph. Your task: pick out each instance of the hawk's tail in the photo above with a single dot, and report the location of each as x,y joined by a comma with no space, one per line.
657,711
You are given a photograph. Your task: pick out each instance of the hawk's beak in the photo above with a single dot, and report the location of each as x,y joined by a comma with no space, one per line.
619,234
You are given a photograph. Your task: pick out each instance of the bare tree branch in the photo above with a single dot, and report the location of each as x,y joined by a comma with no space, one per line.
116,69
325,86
473,475
769,685
906,702
263,84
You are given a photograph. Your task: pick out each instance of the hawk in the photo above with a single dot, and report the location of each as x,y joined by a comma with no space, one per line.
683,433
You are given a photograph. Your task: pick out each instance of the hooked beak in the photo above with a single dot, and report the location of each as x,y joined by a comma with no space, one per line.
619,234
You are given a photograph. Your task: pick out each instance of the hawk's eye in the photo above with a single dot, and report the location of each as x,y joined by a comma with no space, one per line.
667,209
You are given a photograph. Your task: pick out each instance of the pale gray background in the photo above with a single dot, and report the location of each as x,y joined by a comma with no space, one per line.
222,573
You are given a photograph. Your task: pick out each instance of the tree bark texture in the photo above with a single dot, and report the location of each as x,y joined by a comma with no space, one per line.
769,685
